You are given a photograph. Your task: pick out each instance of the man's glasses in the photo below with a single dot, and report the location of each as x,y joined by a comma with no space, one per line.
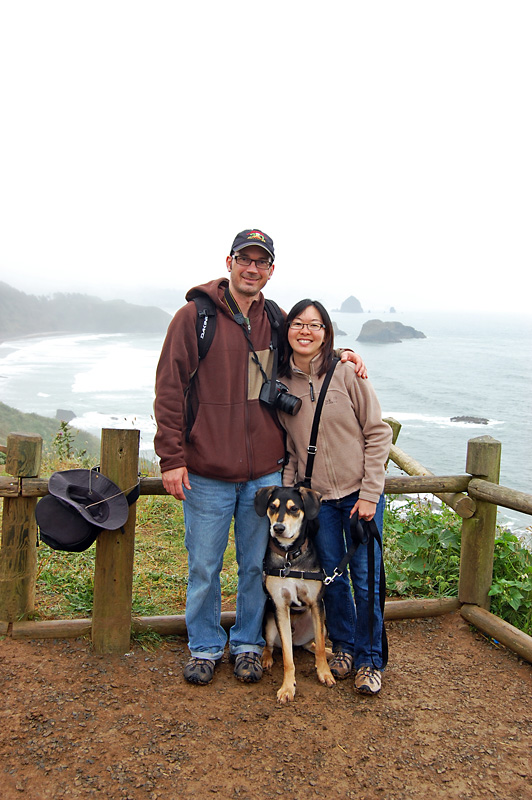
260,263
312,326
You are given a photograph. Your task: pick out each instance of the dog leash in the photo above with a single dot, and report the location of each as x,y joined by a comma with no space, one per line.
358,536
364,532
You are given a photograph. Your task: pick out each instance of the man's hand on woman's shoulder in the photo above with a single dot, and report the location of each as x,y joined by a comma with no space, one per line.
360,367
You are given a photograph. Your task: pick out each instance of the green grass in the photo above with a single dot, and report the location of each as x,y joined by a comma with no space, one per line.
421,554
422,558
65,580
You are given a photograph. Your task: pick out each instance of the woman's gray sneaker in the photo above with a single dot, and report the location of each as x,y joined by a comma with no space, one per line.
368,680
341,664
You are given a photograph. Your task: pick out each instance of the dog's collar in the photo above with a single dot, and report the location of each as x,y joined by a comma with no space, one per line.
288,554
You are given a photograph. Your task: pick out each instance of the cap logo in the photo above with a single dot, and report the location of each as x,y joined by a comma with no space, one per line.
256,235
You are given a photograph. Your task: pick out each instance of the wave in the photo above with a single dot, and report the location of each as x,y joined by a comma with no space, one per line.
96,420
428,419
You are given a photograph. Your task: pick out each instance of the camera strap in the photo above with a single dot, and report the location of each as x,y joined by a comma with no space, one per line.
312,449
241,320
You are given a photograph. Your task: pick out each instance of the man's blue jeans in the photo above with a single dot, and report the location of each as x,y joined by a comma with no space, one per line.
209,508
348,621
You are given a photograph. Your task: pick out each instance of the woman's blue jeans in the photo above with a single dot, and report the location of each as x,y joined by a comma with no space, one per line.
348,621
209,508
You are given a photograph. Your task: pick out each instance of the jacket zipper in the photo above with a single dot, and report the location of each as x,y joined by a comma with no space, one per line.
246,412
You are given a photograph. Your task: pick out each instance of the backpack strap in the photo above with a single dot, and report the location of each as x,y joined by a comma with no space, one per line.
276,320
205,323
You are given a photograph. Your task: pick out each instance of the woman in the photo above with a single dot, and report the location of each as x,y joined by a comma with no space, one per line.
352,447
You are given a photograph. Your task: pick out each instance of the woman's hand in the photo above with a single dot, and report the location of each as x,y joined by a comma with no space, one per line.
366,509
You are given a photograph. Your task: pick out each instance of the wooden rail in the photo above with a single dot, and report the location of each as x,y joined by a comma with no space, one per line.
401,484
498,629
461,503
473,495
500,495
175,625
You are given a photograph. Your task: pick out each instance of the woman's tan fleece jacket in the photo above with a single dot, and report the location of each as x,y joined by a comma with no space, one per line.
353,442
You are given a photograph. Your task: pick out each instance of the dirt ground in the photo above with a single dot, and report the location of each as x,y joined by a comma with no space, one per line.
453,720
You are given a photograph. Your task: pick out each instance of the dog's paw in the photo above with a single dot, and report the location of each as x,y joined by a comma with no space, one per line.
286,693
326,677
267,660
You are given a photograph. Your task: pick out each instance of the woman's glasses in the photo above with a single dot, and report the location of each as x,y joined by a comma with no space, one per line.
312,326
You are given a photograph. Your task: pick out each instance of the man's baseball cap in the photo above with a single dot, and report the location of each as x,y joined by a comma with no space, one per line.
250,237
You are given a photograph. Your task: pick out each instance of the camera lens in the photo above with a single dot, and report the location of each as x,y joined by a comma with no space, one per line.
288,403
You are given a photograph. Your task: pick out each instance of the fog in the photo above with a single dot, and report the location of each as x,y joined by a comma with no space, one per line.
384,146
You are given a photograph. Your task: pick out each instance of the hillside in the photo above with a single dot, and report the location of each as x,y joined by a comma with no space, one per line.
22,314
14,421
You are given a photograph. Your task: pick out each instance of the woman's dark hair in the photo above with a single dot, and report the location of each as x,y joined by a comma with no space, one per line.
327,350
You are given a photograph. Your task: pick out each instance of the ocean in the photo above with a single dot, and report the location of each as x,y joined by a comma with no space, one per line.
469,365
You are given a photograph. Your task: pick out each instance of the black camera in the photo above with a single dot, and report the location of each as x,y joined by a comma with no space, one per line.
281,399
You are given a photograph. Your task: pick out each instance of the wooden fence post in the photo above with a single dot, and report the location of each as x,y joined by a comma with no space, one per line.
478,532
18,555
113,571
396,426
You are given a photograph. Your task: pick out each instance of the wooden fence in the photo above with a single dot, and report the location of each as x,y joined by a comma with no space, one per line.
474,496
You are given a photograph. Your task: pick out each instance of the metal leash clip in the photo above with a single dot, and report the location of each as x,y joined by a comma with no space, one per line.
286,569
330,579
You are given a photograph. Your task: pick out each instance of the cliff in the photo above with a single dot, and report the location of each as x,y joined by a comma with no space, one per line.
11,419
22,314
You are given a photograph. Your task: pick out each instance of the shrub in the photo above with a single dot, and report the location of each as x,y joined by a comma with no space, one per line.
422,559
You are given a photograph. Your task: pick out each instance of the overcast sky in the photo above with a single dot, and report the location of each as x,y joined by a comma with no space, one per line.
385,146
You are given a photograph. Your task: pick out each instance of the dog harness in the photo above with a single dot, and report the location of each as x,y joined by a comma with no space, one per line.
287,571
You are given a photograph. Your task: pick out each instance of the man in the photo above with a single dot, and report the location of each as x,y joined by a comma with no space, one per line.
217,444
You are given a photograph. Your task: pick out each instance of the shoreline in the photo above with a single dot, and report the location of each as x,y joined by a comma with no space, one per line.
43,335
114,377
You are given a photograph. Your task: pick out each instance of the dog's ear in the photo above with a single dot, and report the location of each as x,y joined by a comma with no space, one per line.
262,498
311,502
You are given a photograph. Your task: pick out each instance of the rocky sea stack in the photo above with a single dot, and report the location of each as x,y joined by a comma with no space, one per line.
374,330
471,420
351,306
337,331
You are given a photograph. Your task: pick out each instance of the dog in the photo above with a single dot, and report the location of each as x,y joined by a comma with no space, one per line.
294,581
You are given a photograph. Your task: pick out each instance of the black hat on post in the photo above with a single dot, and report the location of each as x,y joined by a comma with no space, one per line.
81,503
